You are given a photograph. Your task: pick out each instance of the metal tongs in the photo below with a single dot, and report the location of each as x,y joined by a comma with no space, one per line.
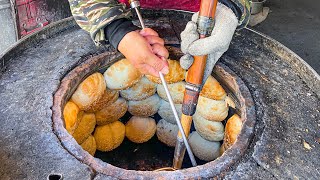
135,4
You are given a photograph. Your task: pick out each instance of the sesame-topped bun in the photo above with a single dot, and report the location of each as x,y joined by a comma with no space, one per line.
167,132
112,112
121,75
109,96
212,110
203,149
176,91
146,107
89,91
213,90
140,129
166,113
176,73
89,145
71,113
232,130
209,130
85,128
140,91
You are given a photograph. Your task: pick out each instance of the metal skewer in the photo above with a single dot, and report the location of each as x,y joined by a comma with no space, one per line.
135,4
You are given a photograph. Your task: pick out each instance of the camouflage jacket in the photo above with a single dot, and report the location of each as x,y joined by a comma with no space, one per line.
94,15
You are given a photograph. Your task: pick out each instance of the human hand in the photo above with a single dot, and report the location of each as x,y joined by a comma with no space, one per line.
214,46
146,51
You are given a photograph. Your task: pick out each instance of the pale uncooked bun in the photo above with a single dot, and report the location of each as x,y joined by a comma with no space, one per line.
109,96
140,91
89,91
203,149
71,113
85,127
89,145
167,132
146,107
213,90
176,91
140,129
166,113
212,110
209,130
112,112
109,136
176,73
232,130
121,75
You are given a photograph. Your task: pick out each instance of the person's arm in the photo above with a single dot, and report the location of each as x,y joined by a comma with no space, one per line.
241,8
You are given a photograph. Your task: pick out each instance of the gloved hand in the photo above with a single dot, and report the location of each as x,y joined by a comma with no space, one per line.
215,45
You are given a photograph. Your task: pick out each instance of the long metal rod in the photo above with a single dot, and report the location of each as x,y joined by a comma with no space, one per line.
173,108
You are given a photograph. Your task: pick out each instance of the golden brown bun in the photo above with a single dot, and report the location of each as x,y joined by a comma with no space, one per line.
140,129
140,91
121,75
232,130
89,145
109,136
167,132
209,130
212,110
203,149
213,90
176,91
70,114
176,73
166,113
89,91
112,112
85,128
146,107
109,96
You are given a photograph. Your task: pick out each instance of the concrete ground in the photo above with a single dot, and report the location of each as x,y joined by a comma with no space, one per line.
296,24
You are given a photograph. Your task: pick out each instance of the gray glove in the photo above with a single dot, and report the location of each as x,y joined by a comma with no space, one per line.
215,45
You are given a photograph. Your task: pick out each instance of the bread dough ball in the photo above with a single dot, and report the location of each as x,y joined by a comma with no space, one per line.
232,130
203,149
109,136
71,114
140,91
112,112
176,91
213,90
89,145
109,96
121,75
166,113
85,128
212,110
146,107
209,130
89,91
140,129
167,132
176,73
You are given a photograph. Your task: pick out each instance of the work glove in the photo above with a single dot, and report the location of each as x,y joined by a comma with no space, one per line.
215,45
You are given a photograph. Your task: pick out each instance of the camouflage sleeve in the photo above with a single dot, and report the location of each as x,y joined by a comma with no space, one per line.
94,15
244,6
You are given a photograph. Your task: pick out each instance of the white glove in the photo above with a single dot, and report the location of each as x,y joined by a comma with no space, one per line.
215,45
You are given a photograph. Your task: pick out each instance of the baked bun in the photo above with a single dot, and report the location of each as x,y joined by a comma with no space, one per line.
203,149
109,136
112,112
109,96
176,73
146,107
89,145
176,91
85,128
212,110
89,91
167,132
121,75
232,130
140,91
140,129
209,130
166,113
71,116
213,90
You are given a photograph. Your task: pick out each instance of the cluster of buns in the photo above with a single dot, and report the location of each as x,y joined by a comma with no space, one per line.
93,112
